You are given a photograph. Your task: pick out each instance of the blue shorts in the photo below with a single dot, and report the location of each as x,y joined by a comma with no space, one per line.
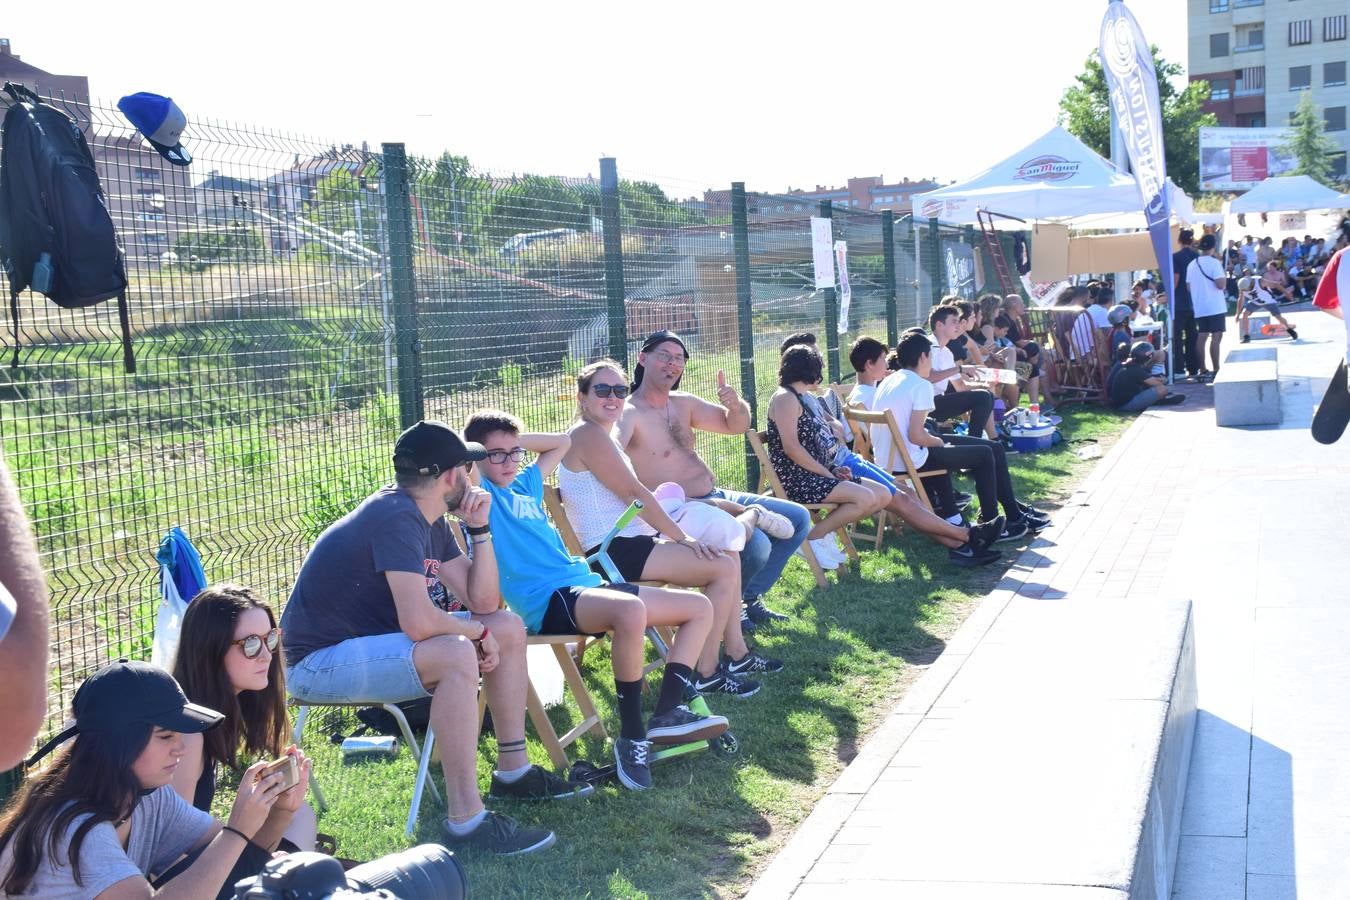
861,468
374,669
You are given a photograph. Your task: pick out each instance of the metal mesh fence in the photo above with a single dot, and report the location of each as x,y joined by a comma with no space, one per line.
295,302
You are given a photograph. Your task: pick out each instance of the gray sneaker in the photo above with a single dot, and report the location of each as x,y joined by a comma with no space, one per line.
630,763
501,835
681,725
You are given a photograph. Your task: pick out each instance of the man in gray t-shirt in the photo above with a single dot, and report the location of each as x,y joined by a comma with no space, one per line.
164,826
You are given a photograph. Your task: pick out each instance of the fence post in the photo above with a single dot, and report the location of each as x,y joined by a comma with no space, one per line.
408,345
938,281
888,255
740,233
831,309
613,241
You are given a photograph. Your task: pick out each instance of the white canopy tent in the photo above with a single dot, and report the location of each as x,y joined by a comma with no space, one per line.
1056,178
1289,193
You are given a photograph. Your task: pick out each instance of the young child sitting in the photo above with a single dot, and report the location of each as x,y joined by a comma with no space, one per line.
1253,298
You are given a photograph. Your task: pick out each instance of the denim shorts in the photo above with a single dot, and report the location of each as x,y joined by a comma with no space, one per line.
374,669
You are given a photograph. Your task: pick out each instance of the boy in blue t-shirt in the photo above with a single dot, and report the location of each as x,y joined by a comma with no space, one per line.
555,592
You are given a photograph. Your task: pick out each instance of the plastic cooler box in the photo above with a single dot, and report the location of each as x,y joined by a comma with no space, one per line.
1025,440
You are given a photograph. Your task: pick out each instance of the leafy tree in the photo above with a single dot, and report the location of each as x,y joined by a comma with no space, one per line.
337,198
535,203
452,201
1309,143
198,249
1084,109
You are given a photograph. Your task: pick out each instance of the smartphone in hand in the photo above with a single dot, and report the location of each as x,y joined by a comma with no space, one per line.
286,766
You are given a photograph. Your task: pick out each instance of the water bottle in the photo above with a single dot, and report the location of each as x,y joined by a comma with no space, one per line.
1035,415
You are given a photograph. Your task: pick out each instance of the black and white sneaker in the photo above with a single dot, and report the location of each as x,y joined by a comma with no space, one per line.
1292,333
1035,519
761,614
752,663
501,835
962,499
747,624
630,763
968,555
539,784
1013,531
681,725
983,535
723,682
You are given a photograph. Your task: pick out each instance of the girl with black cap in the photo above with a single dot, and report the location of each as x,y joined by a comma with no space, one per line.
101,820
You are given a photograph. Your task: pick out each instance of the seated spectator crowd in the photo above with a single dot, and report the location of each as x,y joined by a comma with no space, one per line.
433,582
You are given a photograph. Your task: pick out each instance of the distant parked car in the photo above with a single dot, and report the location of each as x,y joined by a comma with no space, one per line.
518,242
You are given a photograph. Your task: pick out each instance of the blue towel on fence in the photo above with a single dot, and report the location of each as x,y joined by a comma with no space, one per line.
184,563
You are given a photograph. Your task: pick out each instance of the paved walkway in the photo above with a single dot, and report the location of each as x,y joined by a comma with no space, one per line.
1253,526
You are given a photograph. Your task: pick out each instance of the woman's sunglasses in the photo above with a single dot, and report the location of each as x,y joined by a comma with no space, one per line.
605,390
252,644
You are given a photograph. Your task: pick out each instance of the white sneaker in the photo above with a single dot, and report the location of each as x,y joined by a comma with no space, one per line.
832,544
821,548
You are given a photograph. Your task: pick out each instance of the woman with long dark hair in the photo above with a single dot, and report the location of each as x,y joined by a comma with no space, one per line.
101,820
230,658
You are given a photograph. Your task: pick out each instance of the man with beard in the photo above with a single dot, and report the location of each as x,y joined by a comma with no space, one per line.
657,433
387,609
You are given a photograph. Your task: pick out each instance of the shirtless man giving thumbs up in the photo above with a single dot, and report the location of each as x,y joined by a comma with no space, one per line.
657,431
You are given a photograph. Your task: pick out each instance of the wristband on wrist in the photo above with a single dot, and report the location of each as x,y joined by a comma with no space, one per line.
233,830
476,530
479,639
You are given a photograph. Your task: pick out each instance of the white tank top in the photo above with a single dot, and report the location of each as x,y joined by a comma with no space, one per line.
593,508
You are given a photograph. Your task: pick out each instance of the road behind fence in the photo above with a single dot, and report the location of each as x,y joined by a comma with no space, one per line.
296,302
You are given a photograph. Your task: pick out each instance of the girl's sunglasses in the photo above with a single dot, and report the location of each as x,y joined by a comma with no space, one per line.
252,644
605,390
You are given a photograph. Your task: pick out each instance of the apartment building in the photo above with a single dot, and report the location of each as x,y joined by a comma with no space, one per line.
1260,55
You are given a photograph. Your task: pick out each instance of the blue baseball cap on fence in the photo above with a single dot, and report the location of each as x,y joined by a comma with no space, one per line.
161,122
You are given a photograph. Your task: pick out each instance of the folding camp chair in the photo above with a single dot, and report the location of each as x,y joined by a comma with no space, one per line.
900,462
758,440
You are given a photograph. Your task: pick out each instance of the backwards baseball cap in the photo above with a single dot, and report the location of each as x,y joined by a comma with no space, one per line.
161,122
1246,283
1141,350
653,341
430,448
1118,314
124,694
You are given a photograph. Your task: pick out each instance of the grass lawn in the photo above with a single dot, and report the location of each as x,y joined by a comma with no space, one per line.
710,823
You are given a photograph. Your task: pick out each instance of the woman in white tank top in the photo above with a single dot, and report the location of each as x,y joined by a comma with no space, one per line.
597,483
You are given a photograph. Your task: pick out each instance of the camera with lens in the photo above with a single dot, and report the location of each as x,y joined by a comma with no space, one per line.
426,872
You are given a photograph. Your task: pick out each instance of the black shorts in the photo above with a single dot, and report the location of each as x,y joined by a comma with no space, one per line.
560,614
1211,324
629,555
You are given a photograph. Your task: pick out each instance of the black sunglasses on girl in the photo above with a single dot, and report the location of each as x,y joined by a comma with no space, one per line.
605,390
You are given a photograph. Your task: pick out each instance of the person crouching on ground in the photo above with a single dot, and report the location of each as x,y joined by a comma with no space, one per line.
555,592
103,820
229,658
1253,298
1132,386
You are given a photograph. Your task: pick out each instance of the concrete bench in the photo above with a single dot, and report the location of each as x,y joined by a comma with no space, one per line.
1247,388
1045,757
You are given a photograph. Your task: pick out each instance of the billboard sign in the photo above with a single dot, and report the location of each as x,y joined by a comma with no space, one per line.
1238,159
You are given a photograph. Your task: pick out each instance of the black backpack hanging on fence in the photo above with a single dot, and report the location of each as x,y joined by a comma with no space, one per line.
56,234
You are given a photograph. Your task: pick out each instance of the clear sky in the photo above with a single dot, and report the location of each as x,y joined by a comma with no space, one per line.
692,94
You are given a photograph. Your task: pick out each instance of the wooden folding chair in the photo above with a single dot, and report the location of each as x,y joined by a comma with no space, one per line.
900,462
767,474
862,445
553,502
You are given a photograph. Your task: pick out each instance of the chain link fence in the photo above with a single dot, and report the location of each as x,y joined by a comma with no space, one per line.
295,302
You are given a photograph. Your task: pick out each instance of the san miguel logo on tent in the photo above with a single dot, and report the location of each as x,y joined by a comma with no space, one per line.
930,209
1047,168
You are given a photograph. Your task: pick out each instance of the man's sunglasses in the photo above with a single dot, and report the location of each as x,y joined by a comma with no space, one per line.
501,456
605,390
252,644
